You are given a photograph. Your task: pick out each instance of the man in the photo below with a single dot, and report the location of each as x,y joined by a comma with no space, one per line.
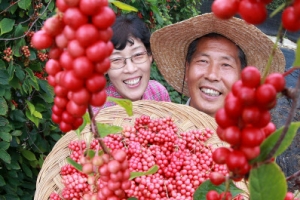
203,56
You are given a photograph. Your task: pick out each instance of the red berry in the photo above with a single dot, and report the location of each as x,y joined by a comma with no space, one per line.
212,195
277,80
248,7
220,155
225,9
250,77
216,178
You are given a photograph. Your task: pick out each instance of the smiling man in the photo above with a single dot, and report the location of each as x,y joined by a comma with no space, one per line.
202,57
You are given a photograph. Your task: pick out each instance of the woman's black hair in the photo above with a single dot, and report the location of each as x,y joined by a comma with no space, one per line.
193,47
130,25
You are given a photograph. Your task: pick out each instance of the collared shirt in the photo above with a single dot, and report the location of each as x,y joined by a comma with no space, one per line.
154,91
188,102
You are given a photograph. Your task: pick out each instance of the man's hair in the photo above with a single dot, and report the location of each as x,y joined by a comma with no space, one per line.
127,26
193,47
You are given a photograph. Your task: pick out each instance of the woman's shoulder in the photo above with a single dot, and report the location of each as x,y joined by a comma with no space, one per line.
156,91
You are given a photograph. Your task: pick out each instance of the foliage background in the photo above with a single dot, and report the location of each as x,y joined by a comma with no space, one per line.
27,133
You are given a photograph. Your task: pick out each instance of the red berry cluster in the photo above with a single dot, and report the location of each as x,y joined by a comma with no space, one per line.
183,159
25,51
291,17
79,40
102,177
42,56
8,54
244,121
226,9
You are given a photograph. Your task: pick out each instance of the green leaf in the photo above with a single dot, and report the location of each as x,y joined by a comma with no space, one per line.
5,136
16,133
14,164
11,71
5,156
132,198
37,114
24,4
20,73
270,142
4,77
6,25
4,145
19,30
152,170
28,155
3,121
2,181
31,107
48,96
3,106
297,55
267,182
17,115
26,170
86,120
157,14
124,6
34,83
206,186
18,45
32,118
106,129
125,103
74,164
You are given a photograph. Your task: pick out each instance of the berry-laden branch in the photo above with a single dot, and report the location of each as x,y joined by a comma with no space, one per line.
288,121
95,131
29,28
6,9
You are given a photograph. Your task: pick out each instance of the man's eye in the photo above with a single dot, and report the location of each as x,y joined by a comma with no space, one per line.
226,65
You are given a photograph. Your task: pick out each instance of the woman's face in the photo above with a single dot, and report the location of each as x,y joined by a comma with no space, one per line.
131,80
214,68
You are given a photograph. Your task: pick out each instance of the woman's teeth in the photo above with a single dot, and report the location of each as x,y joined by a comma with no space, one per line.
132,81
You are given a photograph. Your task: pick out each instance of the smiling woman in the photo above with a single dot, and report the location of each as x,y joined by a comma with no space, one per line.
130,63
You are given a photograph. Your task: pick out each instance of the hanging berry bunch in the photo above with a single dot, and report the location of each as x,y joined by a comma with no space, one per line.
226,9
79,40
244,123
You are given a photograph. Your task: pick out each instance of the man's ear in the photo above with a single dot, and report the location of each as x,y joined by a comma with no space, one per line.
186,71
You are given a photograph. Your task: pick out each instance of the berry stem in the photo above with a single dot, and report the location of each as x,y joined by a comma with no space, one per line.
95,131
278,38
290,71
293,176
288,121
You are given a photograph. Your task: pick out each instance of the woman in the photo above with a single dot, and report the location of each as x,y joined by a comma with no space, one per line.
129,73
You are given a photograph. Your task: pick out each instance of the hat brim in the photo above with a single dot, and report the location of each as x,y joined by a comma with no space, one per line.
169,45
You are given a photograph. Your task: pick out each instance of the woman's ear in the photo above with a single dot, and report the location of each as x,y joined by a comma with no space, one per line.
151,58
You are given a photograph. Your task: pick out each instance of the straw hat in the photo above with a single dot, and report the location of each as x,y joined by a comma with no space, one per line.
169,45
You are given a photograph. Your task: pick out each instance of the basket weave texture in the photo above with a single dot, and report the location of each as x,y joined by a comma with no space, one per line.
185,117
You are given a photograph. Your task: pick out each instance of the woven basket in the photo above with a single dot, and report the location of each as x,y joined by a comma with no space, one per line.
185,117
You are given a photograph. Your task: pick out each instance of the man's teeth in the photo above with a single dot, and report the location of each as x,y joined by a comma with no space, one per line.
132,81
210,92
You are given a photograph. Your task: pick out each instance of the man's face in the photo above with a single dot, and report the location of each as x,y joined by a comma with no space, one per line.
214,68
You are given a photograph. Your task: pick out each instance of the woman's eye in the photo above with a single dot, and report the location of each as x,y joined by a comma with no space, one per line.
116,60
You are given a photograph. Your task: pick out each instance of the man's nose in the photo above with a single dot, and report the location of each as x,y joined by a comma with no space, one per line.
213,72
